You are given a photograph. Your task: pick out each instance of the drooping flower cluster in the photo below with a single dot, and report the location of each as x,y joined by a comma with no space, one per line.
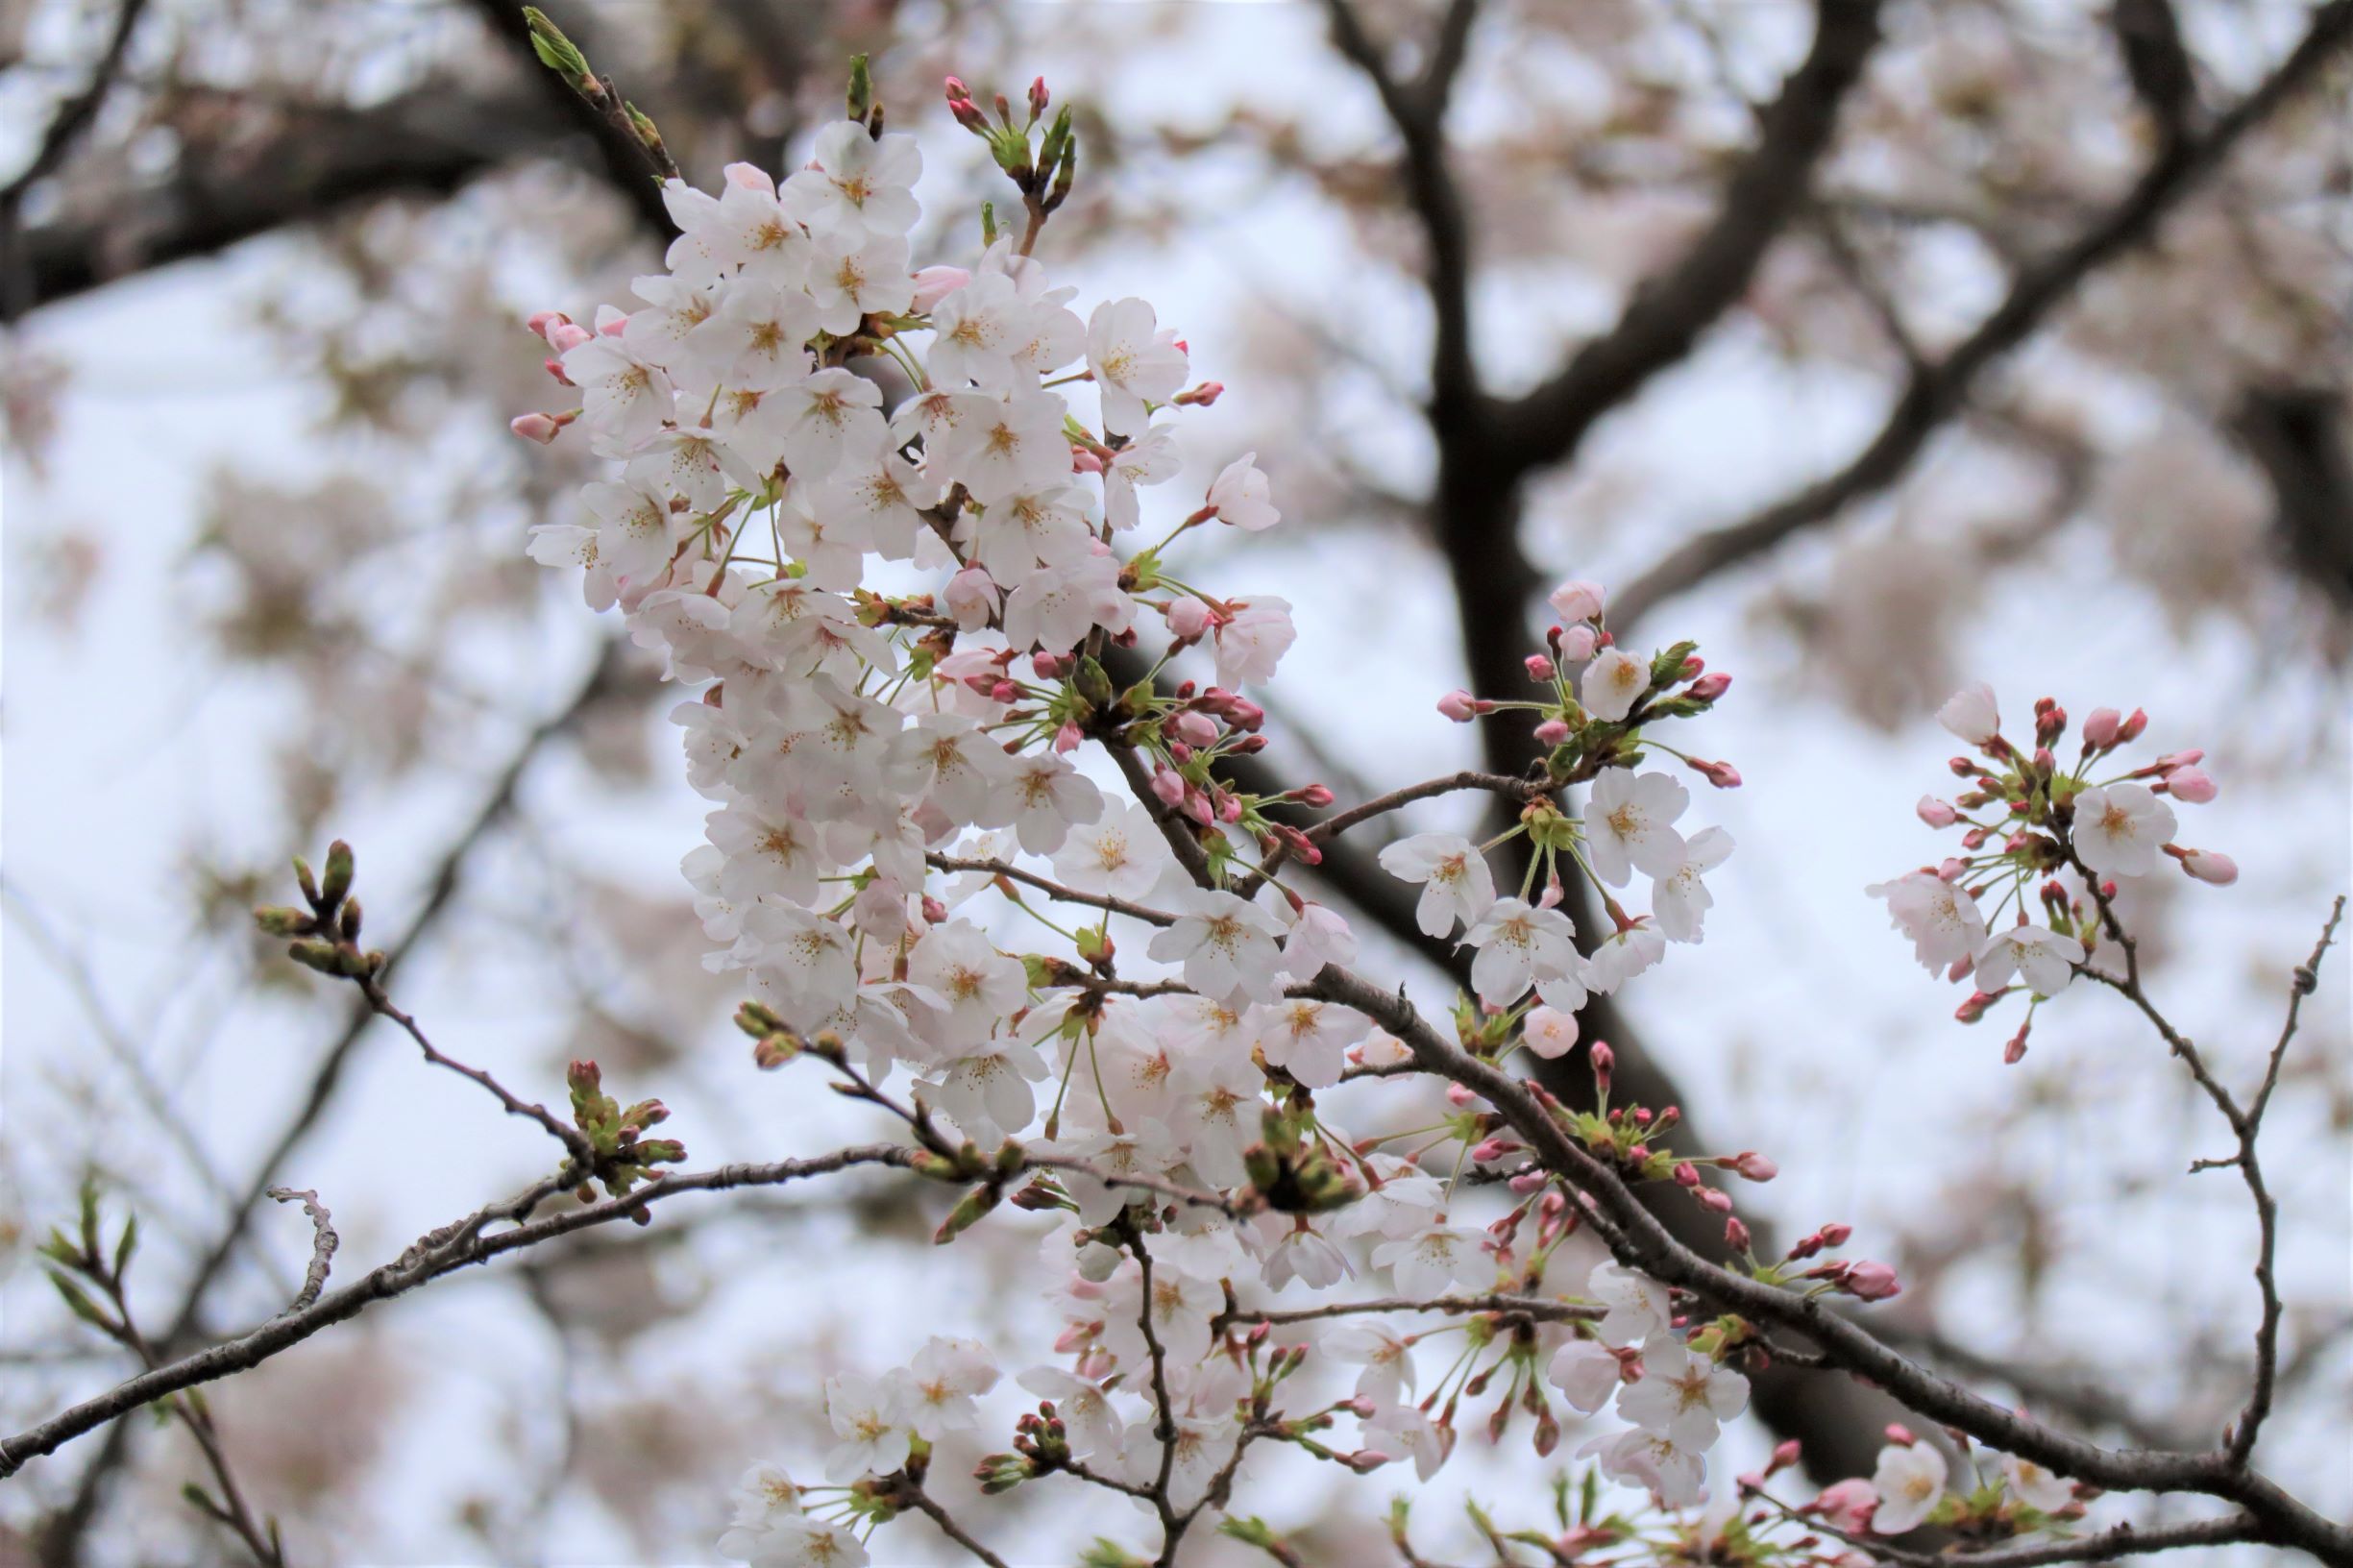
791,402
2036,833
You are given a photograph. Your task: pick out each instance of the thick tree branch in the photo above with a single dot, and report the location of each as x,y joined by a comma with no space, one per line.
1936,392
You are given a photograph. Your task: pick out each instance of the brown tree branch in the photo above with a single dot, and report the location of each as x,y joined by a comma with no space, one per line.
1936,392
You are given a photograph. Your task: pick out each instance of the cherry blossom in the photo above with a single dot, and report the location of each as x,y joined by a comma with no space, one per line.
1612,683
2119,828
1969,713
1629,826
1518,944
1135,363
1456,884
2044,959
1910,1482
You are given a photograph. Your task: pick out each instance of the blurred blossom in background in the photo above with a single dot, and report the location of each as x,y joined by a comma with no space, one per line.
265,586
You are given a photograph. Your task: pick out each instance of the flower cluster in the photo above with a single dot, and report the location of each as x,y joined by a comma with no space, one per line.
2034,833
803,424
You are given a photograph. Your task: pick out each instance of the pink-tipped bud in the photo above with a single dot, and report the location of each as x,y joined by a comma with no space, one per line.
1869,1281
1313,795
972,598
1526,1182
1168,787
566,335
1973,1010
2101,728
1052,666
1685,1173
1899,1434
1605,1062
968,115
932,284
1784,1454
1539,667
2190,784
1736,1235
1576,643
1754,1167
1195,728
1038,98
540,322
1200,397
2131,730
2180,759
1936,813
1715,1199
1552,732
1459,1097
1834,1235
1189,619
1707,688
540,427
1067,739
1461,706
2208,866
1721,774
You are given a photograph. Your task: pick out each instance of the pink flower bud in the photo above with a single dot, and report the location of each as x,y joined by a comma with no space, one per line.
1200,397
1576,600
2131,730
1552,732
2209,866
1709,688
1539,667
1721,774
1313,795
1457,1096
2180,759
2014,1051
932,284
1872,1282
540,322
1784,1454
1197,728
1244,715
1736,1235
2190,784
1714,1199
1834,1235
537,427
1052,666
1067,739
1578,643
1936,813
2101,728
1528,1181
1168,787
1685,1173
1198,806
1848,1506
1179,752
1459,705
1754,1167
1899,1434
564,337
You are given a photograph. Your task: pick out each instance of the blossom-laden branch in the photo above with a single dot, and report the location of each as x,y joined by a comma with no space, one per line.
848,738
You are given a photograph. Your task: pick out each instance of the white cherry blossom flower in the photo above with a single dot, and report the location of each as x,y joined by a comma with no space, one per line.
1388,1360
1679,899
2120,829
1242,496
856,184
2044,959
2037,1488
1252,640
1433,1261
1674,1474
1636,1304
944,1378
1972,714
1135,363
1456,883
1518,943
1910,1481
1943,922
1586,1372
1549,1032
1629,825
1611,683
1309,1039
1400,1432
1120,855
869,1418
1225,946
1684,1396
